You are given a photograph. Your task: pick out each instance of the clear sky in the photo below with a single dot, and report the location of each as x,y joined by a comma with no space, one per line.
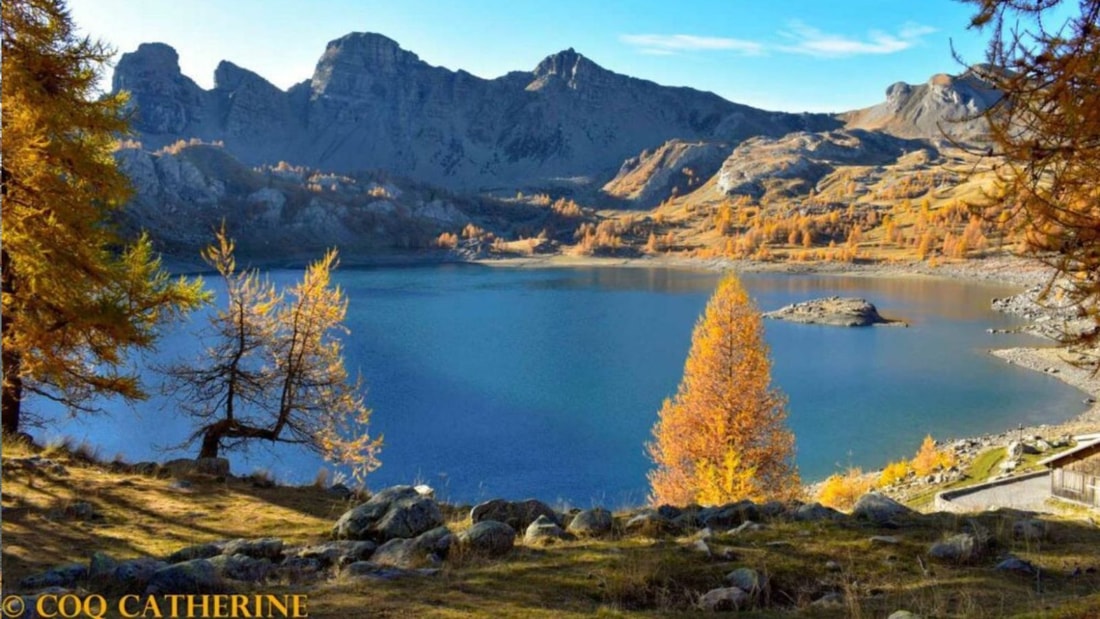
795,55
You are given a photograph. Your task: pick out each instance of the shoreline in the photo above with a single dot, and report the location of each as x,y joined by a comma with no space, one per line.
999,270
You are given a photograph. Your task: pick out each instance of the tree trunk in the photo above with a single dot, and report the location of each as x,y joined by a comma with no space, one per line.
12,361
211,441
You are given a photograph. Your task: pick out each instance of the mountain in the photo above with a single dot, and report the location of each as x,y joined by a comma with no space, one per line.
372,105
946,106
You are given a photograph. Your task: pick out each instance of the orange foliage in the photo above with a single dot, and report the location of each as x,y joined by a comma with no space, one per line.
723,437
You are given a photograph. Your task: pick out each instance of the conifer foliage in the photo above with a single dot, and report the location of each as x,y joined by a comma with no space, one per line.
723,437
75,297
274,368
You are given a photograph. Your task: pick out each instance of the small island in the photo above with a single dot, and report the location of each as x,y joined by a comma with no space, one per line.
837,311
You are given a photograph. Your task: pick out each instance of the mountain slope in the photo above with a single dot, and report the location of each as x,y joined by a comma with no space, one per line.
372,105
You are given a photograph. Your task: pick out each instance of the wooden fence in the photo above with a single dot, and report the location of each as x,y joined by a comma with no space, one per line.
1075,486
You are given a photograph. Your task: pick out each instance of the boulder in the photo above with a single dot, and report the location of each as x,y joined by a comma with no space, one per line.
488,538
270,548
879,509
198,551
649,523
339,552
374,571
241,567
543,531
1029,529
748,580
903,614
397,512
1016,565
61,576
516,514
188,577
729,515
429,548
814,512
133,576
961,548
723,599
186,467
591,523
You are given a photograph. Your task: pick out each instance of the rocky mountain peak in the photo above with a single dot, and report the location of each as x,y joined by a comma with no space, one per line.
148,61
228,76
568,66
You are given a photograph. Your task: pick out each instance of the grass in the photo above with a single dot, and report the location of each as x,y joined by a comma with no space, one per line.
618,577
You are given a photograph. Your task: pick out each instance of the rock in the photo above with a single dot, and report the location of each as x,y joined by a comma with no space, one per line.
961,548
133,576
209,467
339,490
815,512
879,508
889,540
748,580
429,548
833,566
188,577
831,311
270,548
296,569
1019,566
723,599
543,531
772,510
829,599
729,515
649,523
591,523
397,512
101,566
516,514
488,538
198,551
747,526
241,567
701,546
339,552
1029,529
903,614
367,569
82,510
61,576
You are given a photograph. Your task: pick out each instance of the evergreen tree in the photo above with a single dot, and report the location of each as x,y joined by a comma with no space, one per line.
723,437
75,297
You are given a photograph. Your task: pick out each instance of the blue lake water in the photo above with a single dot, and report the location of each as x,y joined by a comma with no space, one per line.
492,382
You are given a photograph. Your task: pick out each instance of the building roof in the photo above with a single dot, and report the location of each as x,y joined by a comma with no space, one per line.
1086,446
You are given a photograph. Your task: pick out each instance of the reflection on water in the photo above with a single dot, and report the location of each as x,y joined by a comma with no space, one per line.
546,382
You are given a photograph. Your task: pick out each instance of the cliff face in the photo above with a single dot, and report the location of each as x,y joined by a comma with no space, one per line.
372,105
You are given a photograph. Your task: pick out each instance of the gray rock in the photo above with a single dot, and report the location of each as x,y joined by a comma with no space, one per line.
339,552
747,526
961,548
133,576
829,599
888,540
82,510
188,577
241,567
206,467
815,512
198,551
729,515
748,580
543,531
591,523
516,514
397,512
488,538
879,509
340,490
270,548
723,599
649,523
428,548
101,566
1019,566
60,576
903,614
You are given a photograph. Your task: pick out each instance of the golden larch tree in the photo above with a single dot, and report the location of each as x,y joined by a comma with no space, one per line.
76,297
723,437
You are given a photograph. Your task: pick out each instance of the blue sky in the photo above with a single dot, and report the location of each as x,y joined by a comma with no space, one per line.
795,55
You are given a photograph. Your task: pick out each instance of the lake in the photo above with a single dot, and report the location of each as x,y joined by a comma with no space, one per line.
500,382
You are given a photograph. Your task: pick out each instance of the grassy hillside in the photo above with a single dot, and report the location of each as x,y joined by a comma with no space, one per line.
142,515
